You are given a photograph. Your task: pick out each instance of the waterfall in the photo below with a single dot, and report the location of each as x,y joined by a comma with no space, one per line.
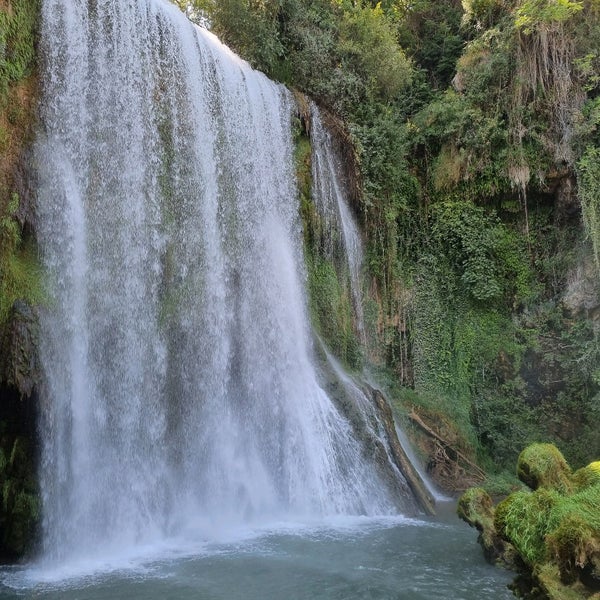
330,200
179,386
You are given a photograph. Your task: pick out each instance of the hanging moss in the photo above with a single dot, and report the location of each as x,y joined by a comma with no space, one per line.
588,179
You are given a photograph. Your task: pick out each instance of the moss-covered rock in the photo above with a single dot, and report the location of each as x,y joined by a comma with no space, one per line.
549,585
476,508
556,527
587,476
543,466
575,546
573,539
18,350
522,520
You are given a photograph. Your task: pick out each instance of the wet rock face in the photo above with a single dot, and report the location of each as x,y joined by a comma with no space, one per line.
582,295
20,501
19,380
19,368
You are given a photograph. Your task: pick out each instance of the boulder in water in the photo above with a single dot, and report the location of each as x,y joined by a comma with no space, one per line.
476,508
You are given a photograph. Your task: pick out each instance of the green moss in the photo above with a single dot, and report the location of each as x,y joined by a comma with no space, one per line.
588,179
476,508
331,311
556,531
21,277
522,520
19,271
548,579
543,466
328,280
572,544
20,503
18,26
585,504
587,476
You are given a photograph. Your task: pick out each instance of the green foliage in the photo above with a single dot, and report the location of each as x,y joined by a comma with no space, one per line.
464,146
431,32
249,26
386,69
501,484
533,13
483,255
20,274
19,271
588,178
485,69
20,505
542,388
484,14
469,249
17,41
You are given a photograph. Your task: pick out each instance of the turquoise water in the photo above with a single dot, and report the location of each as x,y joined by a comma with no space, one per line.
354,559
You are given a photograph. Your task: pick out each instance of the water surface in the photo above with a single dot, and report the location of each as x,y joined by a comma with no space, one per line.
351,559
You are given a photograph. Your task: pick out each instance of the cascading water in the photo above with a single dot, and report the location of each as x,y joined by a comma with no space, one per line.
339,224
179,387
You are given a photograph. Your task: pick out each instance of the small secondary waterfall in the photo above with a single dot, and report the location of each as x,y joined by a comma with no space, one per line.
180,392
341,228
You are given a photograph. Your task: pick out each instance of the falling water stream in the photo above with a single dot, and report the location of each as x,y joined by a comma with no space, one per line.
339,223
189,447
180,386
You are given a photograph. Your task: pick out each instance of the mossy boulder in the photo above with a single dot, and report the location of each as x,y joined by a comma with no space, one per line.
575,547
573,539
522,520
476,508
587,476
554,529
543,466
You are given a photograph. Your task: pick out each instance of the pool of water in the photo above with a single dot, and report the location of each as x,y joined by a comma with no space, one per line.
391,558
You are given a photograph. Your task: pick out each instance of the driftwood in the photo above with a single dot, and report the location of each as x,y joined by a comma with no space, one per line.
445,452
